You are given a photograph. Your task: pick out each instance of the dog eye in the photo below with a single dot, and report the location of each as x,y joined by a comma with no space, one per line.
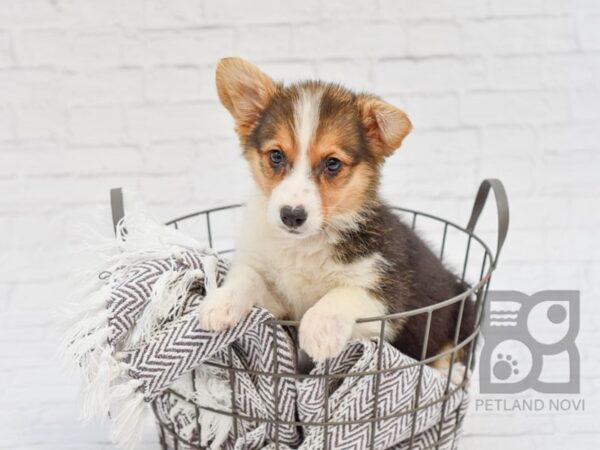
276,157
333,165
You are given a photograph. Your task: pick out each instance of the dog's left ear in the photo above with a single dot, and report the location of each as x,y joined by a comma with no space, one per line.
244,90
385,125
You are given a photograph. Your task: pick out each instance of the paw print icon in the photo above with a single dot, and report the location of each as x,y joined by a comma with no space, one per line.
505,367
529,343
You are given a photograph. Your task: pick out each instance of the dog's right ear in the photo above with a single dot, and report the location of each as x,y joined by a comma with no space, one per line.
244,90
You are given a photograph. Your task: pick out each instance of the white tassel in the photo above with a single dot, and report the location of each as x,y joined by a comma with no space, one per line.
167,299
85,343
84,352
209,264
88,319
212,390
121,392
154,310
128,410
140,236
96,392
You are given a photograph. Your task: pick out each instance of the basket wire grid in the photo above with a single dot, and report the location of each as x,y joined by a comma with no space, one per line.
169,438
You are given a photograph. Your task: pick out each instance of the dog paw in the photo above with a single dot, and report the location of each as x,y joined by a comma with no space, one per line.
220,310
457,375
324,336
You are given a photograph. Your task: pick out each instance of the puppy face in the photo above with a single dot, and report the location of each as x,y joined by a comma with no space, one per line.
314,148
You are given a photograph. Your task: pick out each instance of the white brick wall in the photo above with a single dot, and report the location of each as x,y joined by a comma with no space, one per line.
97,94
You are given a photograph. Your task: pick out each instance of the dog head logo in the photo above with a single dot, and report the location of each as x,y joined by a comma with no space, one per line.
529,343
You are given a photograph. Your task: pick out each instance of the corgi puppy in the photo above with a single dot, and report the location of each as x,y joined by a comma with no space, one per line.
318,244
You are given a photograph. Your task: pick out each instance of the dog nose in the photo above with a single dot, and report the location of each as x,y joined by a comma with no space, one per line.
293,218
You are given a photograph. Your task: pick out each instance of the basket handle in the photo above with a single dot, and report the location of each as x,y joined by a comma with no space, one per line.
117,206
502,208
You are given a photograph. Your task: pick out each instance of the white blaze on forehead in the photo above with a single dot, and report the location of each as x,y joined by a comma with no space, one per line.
298,188
306,119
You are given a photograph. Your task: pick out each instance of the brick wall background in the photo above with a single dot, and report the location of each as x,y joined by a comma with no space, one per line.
98,94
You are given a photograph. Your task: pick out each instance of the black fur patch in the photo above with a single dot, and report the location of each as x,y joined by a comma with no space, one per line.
279,112
413,278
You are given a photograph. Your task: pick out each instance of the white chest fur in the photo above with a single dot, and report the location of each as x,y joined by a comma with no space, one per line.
299,271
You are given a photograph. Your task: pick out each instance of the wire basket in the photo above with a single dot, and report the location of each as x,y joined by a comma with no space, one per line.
458,246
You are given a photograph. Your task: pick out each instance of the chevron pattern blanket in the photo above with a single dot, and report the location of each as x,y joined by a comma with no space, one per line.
135,338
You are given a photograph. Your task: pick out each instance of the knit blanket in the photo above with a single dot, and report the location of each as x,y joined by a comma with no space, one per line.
134,337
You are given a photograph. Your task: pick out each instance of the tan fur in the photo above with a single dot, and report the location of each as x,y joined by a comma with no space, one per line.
262,172
386,125
244,90
346,193
442,363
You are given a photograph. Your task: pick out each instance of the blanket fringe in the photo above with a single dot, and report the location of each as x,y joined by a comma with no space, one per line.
85,345
166,300
128,409
210,272
96,400
213,391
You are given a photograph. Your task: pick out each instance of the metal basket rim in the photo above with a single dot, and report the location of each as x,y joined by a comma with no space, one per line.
483,279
